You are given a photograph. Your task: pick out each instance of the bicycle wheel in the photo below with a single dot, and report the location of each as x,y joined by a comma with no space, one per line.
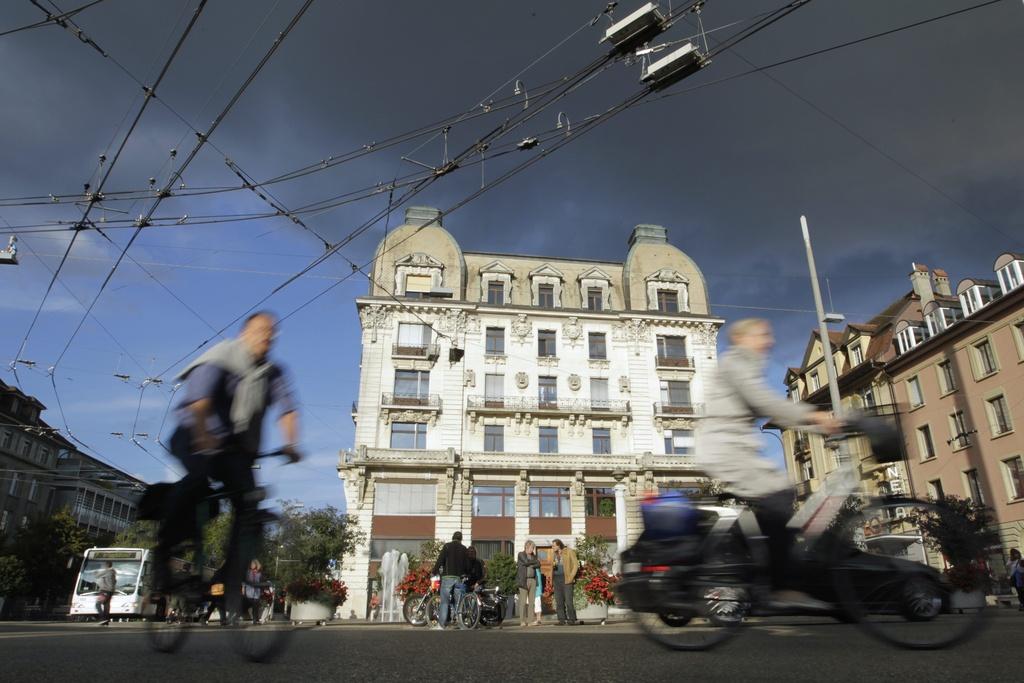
261,639
415,609
169,628
716,599
885,575
468,613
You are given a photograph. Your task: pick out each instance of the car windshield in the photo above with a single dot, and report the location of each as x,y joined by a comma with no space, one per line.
127,576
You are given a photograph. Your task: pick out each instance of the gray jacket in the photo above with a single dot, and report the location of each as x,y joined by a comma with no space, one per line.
728,443
106,580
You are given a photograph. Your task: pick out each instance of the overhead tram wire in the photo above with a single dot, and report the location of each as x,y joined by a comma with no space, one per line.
51,19
106,175
202,138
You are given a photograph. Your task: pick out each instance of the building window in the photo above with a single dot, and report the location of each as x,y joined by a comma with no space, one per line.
986,358
26,448
935,491
546,343
815,382
549,501
974,487
411,435
668,301
1015,476
404,499
806,469
959,437
600,502
602,441
597,346
999,415
675,394
679,441
494,390
413,338
5,517
33,490
671,347
495,342
418,286
547,392
485,550
914,391
599,394
947,382
12,490
595,298
546,296
494,438
44,455
8,438
409,546
549,439
925,444
856,355
867,397
411,384
494,501
496,293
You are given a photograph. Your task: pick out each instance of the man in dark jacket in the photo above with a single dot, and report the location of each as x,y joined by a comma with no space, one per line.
452,564
476,570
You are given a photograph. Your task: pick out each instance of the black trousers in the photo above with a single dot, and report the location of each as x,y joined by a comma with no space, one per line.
234,470
564,605
1020,595
103,606
773,512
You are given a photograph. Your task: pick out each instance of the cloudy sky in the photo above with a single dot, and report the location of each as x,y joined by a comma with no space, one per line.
901,149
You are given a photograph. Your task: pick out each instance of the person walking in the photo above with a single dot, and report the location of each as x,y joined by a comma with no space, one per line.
252,590
106,583
526,564
1015,570
563,580
452,564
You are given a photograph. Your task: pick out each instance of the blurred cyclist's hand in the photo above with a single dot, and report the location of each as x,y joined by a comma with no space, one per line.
292,452
826,422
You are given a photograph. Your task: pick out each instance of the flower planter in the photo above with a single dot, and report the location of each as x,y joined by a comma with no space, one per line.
310,611
593,613
960,600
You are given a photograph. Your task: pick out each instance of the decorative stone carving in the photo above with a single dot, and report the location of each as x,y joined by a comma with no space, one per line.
454,321
648,480
577,484
449,487
467,482
572,331
624,384
598,364
632,331
470,378
663,423
422,416
708,335
632,483
522,330
522,380
669,279
374,317
575,382
524,483
547,361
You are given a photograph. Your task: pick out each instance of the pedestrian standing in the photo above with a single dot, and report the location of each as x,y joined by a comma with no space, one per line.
252,590
526,564
538,600
1015,570
563,580
106,583
452,564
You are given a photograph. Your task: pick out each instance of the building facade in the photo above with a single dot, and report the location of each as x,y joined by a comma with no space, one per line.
42,472
519,398
958,378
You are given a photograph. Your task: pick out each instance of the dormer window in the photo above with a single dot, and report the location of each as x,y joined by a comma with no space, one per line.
496,293
496,283
546,287
976,294
1010,271
909,335
856,355
668,292
939,317
595,290
419,276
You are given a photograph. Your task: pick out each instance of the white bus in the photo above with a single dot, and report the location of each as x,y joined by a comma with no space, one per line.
133,579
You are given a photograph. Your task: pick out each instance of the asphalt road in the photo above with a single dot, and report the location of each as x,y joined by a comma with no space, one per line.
791,649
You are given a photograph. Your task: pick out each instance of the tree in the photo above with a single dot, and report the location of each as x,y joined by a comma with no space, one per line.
501,571
48,548
428,554
13,580
306,541
592,549
139,534
961,530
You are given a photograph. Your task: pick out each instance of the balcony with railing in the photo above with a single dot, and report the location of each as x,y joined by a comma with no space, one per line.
686,408
418,401
802,444
572,462
400,458
530,404
419,351
669,362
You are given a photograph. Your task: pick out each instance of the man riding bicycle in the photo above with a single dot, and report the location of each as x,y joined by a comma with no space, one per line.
736,398
227,392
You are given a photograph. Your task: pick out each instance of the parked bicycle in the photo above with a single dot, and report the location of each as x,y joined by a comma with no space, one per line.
700,568
481,606
424,609
184,603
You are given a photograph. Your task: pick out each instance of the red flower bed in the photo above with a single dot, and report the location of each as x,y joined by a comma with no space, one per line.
327,591
416,581
598,585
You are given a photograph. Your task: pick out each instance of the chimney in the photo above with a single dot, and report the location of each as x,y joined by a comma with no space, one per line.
422,215
942,282
648,234
921,281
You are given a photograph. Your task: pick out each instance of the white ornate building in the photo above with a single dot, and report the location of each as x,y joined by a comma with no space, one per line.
576,393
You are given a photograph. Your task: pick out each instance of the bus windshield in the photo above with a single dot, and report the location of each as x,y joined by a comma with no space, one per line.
127,575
